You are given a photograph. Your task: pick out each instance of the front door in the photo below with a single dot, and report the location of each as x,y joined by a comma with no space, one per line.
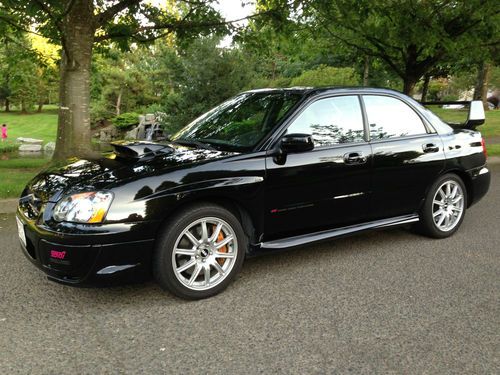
328,186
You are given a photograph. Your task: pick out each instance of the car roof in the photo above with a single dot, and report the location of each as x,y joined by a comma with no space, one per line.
327,89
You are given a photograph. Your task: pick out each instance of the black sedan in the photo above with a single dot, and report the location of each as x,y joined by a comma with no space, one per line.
264,171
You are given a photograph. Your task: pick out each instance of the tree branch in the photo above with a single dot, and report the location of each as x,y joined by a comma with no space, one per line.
368,51
68,9
180,25
48,11
108,14
18,27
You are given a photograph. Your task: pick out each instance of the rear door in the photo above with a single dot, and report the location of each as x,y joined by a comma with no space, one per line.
407,155
328,186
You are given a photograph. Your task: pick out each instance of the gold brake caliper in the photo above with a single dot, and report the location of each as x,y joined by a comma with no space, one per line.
223,249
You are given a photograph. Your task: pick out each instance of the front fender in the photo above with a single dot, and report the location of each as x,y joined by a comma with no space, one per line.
153,198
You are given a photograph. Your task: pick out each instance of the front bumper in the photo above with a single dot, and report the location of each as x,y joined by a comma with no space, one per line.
120,253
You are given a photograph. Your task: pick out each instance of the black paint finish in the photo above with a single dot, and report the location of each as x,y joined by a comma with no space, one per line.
282,198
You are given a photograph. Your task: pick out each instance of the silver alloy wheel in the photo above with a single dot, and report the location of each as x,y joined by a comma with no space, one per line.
204,253
448,205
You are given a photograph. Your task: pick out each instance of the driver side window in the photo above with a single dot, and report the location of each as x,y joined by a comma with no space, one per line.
331,121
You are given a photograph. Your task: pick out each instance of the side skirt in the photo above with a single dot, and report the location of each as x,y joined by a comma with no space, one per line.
304,239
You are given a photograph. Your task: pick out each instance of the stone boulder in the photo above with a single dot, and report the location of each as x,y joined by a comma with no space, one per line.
49,147
132,134
30,147
30,141
108,134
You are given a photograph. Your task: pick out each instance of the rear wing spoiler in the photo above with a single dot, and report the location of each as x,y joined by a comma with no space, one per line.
475,115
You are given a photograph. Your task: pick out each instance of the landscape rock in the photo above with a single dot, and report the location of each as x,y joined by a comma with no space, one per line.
30,148
30,141
149,128
108,134
132,134
49,147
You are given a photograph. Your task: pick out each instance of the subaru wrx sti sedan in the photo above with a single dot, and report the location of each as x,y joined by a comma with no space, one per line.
264,171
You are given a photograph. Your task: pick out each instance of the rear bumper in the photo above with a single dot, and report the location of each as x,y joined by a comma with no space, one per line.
480,184
122,255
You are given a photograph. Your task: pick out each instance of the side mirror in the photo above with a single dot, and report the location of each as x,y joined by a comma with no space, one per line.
476,114
292,143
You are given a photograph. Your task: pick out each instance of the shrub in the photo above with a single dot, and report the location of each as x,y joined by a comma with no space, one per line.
436,89
99,112
449,98
9,146
125,120
327,76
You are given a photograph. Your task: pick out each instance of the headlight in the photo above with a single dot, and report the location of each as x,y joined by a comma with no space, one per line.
89,207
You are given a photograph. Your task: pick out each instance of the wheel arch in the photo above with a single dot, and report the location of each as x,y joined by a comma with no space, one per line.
247,219
464,176
467,180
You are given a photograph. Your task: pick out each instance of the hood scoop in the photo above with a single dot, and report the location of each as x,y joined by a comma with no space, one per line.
139,149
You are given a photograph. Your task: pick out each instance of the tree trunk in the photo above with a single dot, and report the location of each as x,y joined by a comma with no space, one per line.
481,88
7,105
409,83
73,128
40,107
366,71
425,88
119,101
23,106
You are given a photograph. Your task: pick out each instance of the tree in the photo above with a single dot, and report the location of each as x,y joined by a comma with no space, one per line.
490,56
199,77
78,25
327,76
18,69
47,78
410,36
121,82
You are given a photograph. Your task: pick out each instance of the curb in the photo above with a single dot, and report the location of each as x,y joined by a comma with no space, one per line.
8,206
493,159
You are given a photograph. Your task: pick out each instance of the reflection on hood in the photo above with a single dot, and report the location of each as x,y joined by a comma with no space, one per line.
86,174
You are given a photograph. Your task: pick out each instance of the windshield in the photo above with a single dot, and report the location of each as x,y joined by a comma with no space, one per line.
240,123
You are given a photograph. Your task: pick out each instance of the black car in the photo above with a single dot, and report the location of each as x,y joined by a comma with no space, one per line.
264,171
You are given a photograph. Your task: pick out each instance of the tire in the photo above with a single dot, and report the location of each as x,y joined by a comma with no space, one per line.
443,206
189,260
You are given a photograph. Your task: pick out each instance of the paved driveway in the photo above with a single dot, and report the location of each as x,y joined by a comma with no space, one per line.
379,302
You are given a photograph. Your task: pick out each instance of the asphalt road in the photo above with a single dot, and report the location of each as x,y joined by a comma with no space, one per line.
380,302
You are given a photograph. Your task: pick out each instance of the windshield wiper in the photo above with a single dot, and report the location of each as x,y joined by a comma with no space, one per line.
194,142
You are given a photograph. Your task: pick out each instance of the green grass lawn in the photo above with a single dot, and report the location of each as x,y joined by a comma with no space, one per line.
491,127
13,181
493,149
15,173
34,125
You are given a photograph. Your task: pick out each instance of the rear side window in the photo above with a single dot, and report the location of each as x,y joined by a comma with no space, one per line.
390,117
331,121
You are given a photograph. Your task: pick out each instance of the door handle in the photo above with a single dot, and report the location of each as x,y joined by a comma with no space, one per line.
430,147
354,158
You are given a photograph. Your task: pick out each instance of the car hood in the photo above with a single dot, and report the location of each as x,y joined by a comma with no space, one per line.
126,163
